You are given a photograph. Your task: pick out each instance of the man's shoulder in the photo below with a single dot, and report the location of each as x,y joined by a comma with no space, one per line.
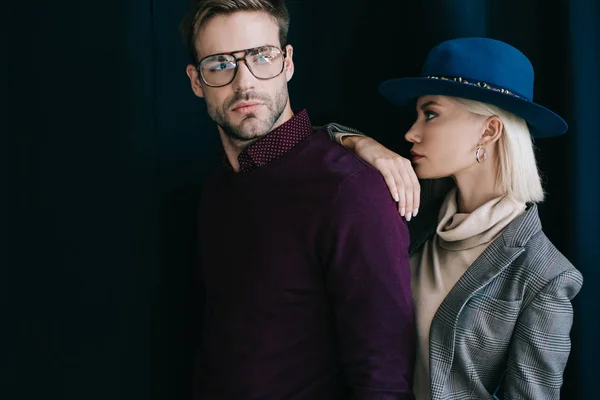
334,160
353,179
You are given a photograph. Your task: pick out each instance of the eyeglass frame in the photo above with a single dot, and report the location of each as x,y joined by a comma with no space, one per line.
237,64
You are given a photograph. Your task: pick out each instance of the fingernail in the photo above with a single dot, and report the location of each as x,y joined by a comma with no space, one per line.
416,212
402,211
408,216
396,197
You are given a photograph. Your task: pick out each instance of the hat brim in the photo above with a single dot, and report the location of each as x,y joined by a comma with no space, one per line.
542,122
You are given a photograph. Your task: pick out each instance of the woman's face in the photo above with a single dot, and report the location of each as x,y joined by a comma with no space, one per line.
445,137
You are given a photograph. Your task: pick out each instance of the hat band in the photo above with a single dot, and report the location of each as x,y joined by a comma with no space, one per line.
479,84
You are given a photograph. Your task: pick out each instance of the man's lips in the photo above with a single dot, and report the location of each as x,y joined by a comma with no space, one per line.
245,107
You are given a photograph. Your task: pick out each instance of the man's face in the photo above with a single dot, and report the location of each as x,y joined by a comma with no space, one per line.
247,108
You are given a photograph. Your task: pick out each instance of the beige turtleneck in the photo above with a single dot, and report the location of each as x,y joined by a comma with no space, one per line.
458,242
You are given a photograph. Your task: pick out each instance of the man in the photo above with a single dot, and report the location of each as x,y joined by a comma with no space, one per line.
305,258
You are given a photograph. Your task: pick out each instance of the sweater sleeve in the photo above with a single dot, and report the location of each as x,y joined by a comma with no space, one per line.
337,131
368,280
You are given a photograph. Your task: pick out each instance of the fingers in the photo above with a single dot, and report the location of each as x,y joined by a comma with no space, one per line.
402,183
407,192
401,192
416,190
391,183
408,185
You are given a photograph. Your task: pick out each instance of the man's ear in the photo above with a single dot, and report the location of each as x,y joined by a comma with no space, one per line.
194,76
289,62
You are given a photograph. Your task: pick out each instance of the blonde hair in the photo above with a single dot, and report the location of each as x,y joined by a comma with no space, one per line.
518,174
203,10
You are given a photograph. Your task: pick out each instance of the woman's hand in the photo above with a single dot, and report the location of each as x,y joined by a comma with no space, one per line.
397,171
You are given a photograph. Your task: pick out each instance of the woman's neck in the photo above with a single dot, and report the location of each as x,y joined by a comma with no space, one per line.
476,186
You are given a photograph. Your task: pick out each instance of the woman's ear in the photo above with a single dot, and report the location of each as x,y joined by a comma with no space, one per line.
493,129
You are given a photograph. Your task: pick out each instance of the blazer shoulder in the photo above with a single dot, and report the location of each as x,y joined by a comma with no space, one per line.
544,263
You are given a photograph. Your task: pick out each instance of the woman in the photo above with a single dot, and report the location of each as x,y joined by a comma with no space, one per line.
492,294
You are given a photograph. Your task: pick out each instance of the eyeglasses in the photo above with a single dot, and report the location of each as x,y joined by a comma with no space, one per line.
264,62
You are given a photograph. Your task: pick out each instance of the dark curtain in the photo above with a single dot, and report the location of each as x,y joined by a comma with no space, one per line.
107,147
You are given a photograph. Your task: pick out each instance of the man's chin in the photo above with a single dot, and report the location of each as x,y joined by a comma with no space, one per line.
248,129
254,125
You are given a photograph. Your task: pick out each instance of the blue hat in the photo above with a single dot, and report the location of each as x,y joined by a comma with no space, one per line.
480,69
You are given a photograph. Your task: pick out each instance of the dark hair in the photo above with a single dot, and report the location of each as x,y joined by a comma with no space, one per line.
203,10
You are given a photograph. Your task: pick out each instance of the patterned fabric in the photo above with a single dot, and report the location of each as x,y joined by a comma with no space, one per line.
505,325
460,238
276,143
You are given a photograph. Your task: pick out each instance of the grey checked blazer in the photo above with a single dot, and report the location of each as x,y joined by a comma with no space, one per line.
504,327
